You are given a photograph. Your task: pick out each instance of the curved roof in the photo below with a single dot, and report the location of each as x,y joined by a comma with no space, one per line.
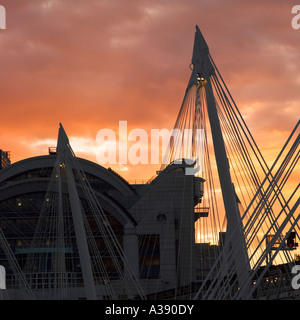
23,186
87,166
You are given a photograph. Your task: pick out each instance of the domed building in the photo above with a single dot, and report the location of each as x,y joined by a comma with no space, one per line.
72,229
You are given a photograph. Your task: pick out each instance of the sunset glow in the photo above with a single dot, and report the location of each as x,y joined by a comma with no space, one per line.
91,65
149,149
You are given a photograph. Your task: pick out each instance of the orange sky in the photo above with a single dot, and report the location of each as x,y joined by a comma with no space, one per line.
90,64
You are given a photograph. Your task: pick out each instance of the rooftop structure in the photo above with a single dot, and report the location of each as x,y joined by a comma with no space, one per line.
4,159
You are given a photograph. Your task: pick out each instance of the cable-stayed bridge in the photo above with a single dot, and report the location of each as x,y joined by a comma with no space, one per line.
252,222
256,210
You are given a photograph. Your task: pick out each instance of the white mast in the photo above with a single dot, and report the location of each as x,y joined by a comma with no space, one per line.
65,155
204,69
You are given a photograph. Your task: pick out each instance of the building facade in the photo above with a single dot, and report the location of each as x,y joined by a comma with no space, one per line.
151,236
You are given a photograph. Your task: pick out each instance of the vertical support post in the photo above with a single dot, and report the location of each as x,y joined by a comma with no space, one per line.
234,223
60,255
85,259
203,67
65,155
